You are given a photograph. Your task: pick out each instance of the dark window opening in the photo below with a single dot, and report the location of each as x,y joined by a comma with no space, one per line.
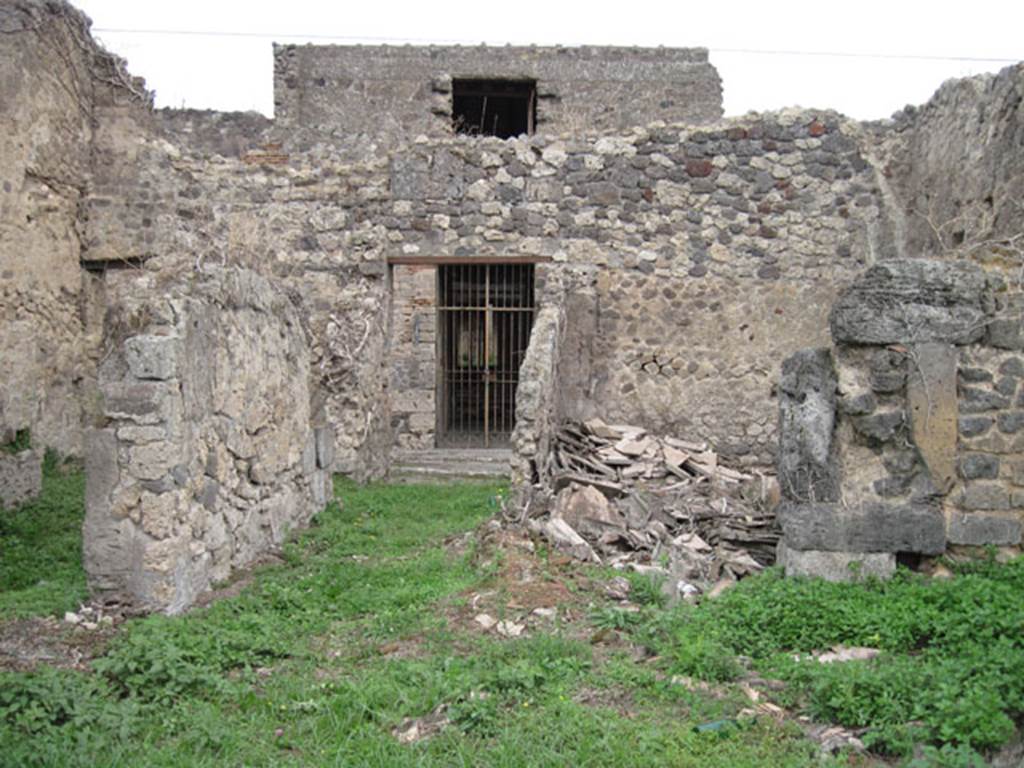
502,108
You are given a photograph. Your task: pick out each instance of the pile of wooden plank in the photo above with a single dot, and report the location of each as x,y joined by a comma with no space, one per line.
617,456
628,498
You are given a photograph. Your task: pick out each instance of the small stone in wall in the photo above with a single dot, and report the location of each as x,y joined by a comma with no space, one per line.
974,426
979,400
978,466
880,427
1011,422
985,496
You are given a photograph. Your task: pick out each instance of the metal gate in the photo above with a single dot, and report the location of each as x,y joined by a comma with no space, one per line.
485,314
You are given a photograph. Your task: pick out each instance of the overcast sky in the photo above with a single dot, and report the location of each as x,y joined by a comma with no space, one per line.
866,58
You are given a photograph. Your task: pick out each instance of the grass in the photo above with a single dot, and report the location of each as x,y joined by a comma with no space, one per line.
951,673
365,624
41,547
292,671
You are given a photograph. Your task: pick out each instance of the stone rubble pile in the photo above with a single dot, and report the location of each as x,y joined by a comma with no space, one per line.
656,505
90,617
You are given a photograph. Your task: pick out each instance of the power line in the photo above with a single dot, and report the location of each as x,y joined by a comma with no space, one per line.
367,38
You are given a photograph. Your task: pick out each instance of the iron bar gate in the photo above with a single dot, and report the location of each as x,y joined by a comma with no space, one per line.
485,315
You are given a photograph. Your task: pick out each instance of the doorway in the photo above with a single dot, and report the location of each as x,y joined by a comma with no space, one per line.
485,315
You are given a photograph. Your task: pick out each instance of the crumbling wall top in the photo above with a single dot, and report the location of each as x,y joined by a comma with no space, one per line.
406,91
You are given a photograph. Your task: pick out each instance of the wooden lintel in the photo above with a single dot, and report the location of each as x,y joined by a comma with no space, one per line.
439,260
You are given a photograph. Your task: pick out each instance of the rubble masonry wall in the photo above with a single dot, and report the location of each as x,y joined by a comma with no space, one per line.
905,436
955,165
45,110
396,93
177,205
212,447
706,255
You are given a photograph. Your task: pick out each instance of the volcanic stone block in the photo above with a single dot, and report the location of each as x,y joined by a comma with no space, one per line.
981,530
836,566
985,496
880,427
867,528
979,466
808,466
972,426
914,300
934,412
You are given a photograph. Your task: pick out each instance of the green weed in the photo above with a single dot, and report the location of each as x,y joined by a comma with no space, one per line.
952,671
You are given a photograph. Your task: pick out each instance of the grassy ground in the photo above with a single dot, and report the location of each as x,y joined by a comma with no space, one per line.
366,630
41,548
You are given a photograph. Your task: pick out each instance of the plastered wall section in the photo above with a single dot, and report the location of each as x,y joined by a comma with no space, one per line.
211,449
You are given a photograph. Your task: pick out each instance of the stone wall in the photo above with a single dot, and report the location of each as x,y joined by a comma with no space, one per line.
955,166
544,386
703,253
412,355
211,448
398,93
710,253
21,477
170,203
51,74
903,437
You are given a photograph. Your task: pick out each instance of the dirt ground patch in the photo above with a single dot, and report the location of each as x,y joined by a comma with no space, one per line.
26,644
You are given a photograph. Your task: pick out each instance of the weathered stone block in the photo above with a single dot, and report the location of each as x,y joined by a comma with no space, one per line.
888,371
880,427
975,375
978,466
981,530
914,300
139,401
973,426
985,496
859,405
1006,385
152,357
1011,422
836,566
1012,366
865,528
1005,333
981,400
932,404
808,466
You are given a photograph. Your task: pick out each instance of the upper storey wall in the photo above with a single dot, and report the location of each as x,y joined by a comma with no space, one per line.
402,92
956,165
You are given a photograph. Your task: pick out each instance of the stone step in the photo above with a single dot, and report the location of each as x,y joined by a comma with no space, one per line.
442,465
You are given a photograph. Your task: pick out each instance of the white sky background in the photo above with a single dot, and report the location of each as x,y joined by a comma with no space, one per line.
889,50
